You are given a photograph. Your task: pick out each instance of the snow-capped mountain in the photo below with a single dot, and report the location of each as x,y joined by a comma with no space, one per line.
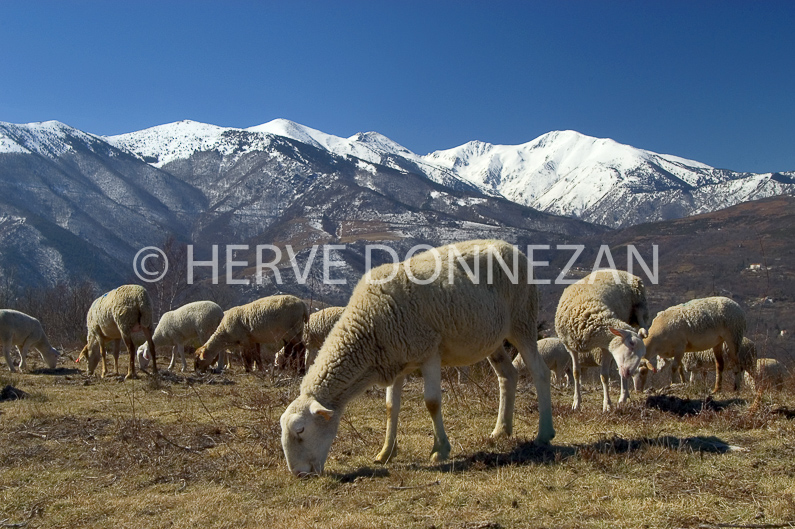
74,203
562,172
602,181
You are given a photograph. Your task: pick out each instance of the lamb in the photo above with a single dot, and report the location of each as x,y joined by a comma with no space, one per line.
317,329
24,331
116,315
555,355
697,325
190,324
448,306
273,321
607,309
770,373
703,362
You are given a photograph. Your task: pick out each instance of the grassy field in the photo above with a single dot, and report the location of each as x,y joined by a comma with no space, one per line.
191,451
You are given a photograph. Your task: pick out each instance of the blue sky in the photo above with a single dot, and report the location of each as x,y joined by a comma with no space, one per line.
710,81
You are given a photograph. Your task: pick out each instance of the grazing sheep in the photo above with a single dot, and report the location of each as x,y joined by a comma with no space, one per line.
603,310
116,315
770,374
703,362
190,324
449,306
19,329
555,355
697,325
315,332
272,321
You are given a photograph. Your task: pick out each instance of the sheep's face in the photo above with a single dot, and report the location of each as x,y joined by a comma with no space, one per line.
628,350
201,363
91,356
50,357
144,356
308,429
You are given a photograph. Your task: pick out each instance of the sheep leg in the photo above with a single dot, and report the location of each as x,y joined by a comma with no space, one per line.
393,394
131,350
719,364
604,376
221,363
258,358
102,352
624,395
173,357
508,377
23,357
116,347
148,334
432,377
575,374
528,348
7,353
181,351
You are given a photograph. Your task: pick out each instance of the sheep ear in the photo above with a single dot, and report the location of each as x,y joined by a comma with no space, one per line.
618,332
318,409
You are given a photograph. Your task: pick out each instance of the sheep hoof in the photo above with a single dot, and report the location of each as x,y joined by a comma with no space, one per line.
129,376
500,432
385,455
439,456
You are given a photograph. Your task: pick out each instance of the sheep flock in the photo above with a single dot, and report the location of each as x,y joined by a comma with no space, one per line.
406,319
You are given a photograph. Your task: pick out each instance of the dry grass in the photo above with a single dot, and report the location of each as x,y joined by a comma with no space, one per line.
205,452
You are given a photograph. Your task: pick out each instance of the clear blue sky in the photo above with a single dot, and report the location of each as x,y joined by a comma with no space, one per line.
710,81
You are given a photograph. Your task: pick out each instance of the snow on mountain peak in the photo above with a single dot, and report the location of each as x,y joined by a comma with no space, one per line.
48,138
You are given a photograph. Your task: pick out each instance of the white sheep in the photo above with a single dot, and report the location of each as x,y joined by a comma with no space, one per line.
449,306
116,315
23,331
699,324
317,329
603,310
703,362
190,324
271,321
556,357
770,374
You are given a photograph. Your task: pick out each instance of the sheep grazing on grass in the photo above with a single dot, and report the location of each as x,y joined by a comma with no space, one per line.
315,332
23,331
556,357
191,324
449,306
116,315
703,362
272,321
770,374
607,309
699,324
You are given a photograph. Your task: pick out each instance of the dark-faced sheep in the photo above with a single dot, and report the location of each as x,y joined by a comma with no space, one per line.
273,322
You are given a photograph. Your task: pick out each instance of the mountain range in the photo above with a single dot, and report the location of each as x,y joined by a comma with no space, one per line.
77,204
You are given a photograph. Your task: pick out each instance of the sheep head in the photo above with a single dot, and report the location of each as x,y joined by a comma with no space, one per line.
628,350
308,429
201,364
144,357
93,359
50,356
